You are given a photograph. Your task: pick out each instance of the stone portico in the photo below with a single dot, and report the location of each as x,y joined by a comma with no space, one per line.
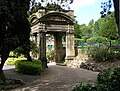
58,23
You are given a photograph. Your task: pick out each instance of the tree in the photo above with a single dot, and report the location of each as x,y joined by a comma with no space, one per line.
108,27
53,3
106,8
116,7
33,48
91,27
87,30
96,28
77,30
53,6
14,29
96,39
37,6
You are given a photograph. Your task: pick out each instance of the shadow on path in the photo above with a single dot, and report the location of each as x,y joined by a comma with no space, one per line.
55,78
10,73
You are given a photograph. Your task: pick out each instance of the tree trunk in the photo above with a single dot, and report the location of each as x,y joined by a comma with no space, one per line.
4,57
27,55
116,7
44,64
2,76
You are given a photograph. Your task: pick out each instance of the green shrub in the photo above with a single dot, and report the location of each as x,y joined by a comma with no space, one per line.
109,80
84,87
96,39
29,67
50,55
11,61
102,54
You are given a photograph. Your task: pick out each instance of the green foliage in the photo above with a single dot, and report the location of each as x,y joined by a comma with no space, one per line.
14,25
109,80
96,28
96,39
20,51
38,6
34,48
103,53
50,4
102,31
90,27
108,27
29,67
77,30
84,87
85,38
50,55
53,6
84,29
11,61
79,42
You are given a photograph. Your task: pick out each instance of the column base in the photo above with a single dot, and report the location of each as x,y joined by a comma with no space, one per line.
68,60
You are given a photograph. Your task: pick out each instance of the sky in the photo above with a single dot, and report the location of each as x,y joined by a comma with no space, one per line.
86,10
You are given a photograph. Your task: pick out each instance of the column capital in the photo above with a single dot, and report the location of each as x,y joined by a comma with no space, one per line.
69,32
70,29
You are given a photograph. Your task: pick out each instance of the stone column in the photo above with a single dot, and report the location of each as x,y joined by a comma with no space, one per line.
70,50
42,46
58,47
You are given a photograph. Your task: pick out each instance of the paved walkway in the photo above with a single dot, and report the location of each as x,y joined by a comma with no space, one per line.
55,78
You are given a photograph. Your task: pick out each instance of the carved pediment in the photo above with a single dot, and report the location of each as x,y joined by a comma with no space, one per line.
56,18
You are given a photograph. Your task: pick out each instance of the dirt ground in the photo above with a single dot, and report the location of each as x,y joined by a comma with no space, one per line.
55,78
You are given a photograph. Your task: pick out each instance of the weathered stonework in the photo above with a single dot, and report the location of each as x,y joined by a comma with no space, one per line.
58,23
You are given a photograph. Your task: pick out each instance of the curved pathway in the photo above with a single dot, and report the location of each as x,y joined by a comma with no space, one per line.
56,78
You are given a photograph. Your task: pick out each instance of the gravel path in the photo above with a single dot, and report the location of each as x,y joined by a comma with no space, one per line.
55,78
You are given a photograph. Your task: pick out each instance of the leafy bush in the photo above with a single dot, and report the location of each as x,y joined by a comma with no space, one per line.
109,80
11,61
29,67
84,87
96,39
103,54
50,55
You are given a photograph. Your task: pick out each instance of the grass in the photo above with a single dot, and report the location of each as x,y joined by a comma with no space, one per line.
11,61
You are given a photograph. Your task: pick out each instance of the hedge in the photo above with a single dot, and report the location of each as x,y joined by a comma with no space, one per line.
29,67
